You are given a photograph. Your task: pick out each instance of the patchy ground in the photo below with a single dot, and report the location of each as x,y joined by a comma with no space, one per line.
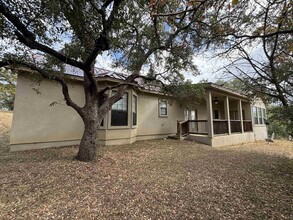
150,180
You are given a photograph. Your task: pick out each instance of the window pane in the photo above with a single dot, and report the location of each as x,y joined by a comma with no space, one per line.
163,111
101,102
134,110
255,115
119,113
260,116
264,117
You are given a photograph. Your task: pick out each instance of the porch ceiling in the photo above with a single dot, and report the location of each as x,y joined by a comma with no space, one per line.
221,97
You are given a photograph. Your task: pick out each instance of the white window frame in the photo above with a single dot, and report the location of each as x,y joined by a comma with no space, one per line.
161,101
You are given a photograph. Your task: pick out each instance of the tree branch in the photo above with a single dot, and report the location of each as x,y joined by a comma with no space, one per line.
46,75
29,39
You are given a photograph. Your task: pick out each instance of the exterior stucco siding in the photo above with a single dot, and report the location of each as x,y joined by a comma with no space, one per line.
34,120
149,121
36,124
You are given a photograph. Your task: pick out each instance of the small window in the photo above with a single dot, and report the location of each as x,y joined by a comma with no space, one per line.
255,115
134,110
163,108
119,112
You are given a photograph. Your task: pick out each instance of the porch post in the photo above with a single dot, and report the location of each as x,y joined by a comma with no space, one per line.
210,115
240,113
227,113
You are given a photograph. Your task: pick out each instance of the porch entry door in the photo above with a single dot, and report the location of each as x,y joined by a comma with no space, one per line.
191,114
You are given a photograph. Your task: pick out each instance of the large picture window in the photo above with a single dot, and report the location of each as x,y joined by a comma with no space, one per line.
134,110
163,108
119,112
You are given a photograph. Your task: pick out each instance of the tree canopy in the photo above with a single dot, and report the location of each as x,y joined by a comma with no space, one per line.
260,50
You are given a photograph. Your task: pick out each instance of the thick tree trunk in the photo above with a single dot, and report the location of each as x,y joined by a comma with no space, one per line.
91,119
89,142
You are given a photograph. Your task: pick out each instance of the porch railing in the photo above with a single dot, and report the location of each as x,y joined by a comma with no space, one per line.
235,126
198,126
247,125
220,126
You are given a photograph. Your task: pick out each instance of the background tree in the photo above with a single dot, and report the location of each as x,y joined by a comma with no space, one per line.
260,48
7,89
76,32
280,121
187,94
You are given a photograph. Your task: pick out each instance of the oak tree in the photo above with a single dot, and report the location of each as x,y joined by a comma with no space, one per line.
76,32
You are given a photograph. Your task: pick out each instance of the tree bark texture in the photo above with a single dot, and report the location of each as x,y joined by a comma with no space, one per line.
89,142
91,119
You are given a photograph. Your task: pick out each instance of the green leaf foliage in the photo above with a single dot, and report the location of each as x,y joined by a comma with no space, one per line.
7,89
281,120
187,94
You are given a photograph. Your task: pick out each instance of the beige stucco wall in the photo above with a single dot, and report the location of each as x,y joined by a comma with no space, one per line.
149,121
34,120
36,124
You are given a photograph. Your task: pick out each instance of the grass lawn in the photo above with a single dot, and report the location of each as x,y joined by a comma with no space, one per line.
162,179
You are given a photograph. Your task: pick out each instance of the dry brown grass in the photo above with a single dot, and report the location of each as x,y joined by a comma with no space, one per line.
5,125
277,148
148,180
5,121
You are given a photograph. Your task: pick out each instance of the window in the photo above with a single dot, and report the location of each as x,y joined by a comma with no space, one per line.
119,111
163,107
260,117
134,110
255,115
264,116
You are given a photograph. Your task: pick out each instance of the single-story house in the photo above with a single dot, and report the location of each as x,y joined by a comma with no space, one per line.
41,118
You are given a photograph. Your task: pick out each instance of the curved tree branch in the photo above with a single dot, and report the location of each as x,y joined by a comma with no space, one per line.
46,75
